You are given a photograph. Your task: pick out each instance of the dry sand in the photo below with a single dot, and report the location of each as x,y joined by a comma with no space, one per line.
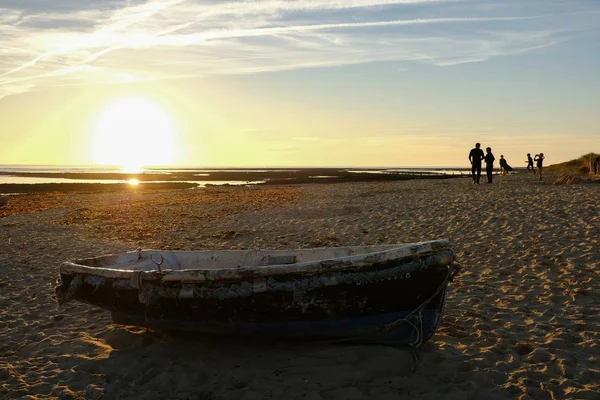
522,319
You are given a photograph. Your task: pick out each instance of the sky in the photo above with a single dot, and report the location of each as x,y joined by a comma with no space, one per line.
372,83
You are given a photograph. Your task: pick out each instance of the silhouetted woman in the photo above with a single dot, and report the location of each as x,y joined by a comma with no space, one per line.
539,158
489,163
503,165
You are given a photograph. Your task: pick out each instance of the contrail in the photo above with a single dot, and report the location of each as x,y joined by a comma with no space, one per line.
146,11
185,40
200,37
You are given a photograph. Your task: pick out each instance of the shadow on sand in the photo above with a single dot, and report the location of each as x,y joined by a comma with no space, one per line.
153,364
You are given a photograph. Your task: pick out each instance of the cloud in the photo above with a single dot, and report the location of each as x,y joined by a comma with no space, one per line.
66,42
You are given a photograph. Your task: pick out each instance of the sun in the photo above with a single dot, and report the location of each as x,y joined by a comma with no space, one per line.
133,133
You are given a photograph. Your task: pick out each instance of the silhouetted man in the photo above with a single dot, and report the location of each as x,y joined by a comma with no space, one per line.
475,157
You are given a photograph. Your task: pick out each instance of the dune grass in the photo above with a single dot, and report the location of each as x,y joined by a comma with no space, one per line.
581,165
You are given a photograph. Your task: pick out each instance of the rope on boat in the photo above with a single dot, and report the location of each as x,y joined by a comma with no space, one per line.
414,319
158,263
417,314
452,271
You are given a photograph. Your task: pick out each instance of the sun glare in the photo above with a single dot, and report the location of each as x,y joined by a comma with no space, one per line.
133,133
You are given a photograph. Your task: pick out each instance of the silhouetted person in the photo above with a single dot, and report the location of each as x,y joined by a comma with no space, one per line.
539,158
475,157
489,163
529,162
504,167
597,166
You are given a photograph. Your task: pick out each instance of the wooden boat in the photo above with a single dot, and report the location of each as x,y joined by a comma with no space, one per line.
378,294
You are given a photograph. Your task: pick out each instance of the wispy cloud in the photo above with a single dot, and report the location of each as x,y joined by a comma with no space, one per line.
68,43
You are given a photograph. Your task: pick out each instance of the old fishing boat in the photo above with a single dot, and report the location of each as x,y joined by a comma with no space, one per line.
378,294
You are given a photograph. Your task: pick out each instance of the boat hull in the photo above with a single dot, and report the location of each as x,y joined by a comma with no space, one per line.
391,301
361,329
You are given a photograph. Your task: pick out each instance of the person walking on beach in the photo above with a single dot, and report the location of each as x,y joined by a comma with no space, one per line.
539,158
475,157
529,162
489,163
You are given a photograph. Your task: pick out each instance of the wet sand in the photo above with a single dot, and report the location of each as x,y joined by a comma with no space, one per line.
522,319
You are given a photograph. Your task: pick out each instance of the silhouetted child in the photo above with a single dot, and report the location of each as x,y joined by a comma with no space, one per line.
539,158
489,163
529,162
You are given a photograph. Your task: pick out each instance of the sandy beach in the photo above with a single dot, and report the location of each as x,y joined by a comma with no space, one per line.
522,319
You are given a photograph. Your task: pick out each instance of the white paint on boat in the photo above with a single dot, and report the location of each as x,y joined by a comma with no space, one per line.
198,266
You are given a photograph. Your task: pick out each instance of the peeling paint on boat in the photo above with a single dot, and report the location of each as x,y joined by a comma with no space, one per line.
204,290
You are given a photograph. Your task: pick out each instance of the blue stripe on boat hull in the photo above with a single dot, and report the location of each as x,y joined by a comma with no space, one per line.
366,329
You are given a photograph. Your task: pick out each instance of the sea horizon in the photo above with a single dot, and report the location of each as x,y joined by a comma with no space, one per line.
96,167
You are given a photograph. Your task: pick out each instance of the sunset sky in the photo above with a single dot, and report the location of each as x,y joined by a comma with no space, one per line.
297,83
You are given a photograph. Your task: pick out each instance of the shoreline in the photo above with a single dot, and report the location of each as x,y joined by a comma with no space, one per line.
196,178
183,180
222,175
